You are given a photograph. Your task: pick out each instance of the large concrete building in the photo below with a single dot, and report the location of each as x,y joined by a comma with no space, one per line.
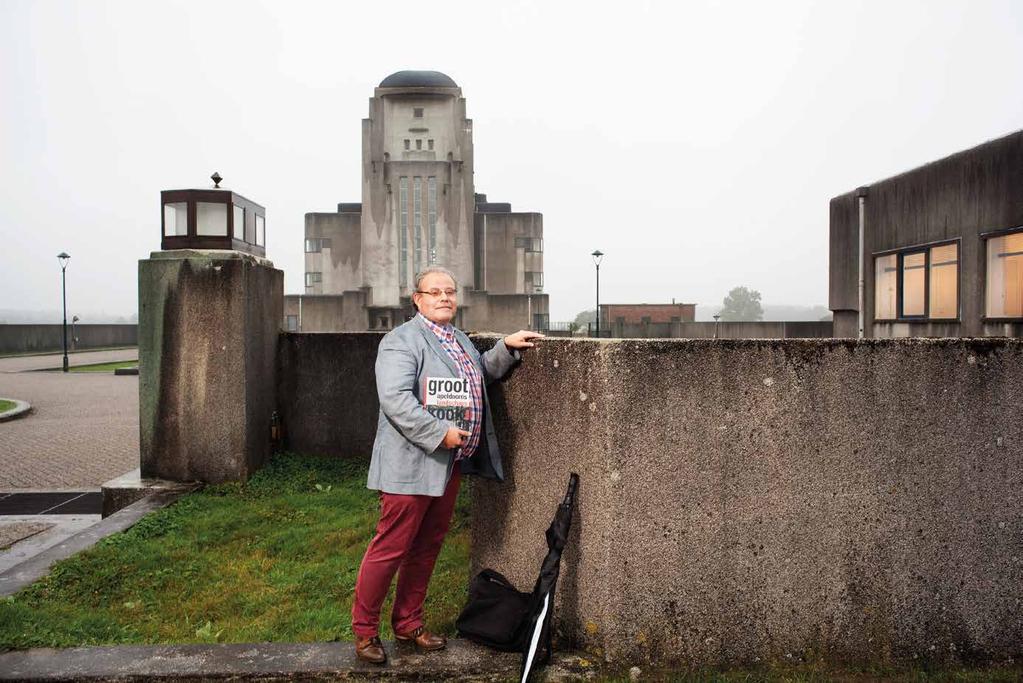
419,208
934,252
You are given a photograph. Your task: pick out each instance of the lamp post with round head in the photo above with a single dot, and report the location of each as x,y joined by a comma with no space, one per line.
598,255
64,258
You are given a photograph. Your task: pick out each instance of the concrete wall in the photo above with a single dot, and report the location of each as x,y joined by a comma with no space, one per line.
40,338
502,266
742,501
746,500
502,313
733,330
339,264
955,198
327,392
209,324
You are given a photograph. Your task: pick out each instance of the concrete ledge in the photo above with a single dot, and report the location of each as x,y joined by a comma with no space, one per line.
20,409
461,660
124,490
38,566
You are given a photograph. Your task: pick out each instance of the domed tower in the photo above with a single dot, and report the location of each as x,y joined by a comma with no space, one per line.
417,187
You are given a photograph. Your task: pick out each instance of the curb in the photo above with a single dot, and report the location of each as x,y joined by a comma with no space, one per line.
322,661
20,409
36,567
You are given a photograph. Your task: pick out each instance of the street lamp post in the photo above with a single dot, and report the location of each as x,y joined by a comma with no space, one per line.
716,326
597,256
64,258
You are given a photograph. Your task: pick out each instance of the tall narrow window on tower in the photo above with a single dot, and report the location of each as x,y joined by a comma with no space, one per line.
431,202
417,112
417,217
403,232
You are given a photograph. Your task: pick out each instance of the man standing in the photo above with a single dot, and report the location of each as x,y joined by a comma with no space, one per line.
419,457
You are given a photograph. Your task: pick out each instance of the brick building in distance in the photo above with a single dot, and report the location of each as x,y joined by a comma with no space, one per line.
615,317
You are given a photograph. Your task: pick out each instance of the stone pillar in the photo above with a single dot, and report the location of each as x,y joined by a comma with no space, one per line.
209,323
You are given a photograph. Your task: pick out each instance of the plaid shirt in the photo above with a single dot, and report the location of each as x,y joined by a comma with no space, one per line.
466,370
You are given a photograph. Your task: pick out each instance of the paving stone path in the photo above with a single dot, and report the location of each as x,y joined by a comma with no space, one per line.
83,429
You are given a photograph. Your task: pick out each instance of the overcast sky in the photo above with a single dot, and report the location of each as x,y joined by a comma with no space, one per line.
696,143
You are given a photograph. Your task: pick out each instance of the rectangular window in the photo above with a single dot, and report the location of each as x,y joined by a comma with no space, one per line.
534,244
292,323
417,221
408,144
419,143
417,112
239,222
1005,276
211,219
943,288
885,276
403,231
914,284
175,219
922,282
431,208
313,279
314,245
429,144
260,231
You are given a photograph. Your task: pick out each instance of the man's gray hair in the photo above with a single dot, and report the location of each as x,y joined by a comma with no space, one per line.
434,269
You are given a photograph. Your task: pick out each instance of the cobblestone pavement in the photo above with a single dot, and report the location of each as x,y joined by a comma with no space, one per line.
83,429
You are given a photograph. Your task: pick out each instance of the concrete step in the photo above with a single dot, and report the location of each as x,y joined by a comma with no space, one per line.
461,660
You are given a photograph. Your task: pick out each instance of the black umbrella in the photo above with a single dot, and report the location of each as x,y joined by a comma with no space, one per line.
541,601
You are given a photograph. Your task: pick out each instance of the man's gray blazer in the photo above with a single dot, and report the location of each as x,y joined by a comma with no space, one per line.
407,454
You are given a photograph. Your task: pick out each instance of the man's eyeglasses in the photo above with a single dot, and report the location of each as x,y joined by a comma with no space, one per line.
435,293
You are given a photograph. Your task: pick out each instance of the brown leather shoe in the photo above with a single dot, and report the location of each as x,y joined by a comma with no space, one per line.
370,650
423,639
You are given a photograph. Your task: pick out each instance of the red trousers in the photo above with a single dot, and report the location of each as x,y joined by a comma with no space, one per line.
409,535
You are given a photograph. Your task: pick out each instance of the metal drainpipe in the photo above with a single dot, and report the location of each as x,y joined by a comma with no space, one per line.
861,197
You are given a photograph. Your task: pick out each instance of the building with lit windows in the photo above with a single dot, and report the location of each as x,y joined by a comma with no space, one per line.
419,208
938,249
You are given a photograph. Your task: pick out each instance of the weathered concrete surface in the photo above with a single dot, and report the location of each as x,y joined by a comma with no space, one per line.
122,491
34,568
756,500
209,322
328,392
461,660
742,500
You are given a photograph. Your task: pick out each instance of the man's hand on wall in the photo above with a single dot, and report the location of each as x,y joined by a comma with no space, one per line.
521,339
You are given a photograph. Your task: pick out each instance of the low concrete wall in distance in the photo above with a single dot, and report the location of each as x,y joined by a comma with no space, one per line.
745,501
723,330
740,500
42,338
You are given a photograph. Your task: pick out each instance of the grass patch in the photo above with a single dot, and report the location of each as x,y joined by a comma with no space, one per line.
21,354
274,559
103,367
6,405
